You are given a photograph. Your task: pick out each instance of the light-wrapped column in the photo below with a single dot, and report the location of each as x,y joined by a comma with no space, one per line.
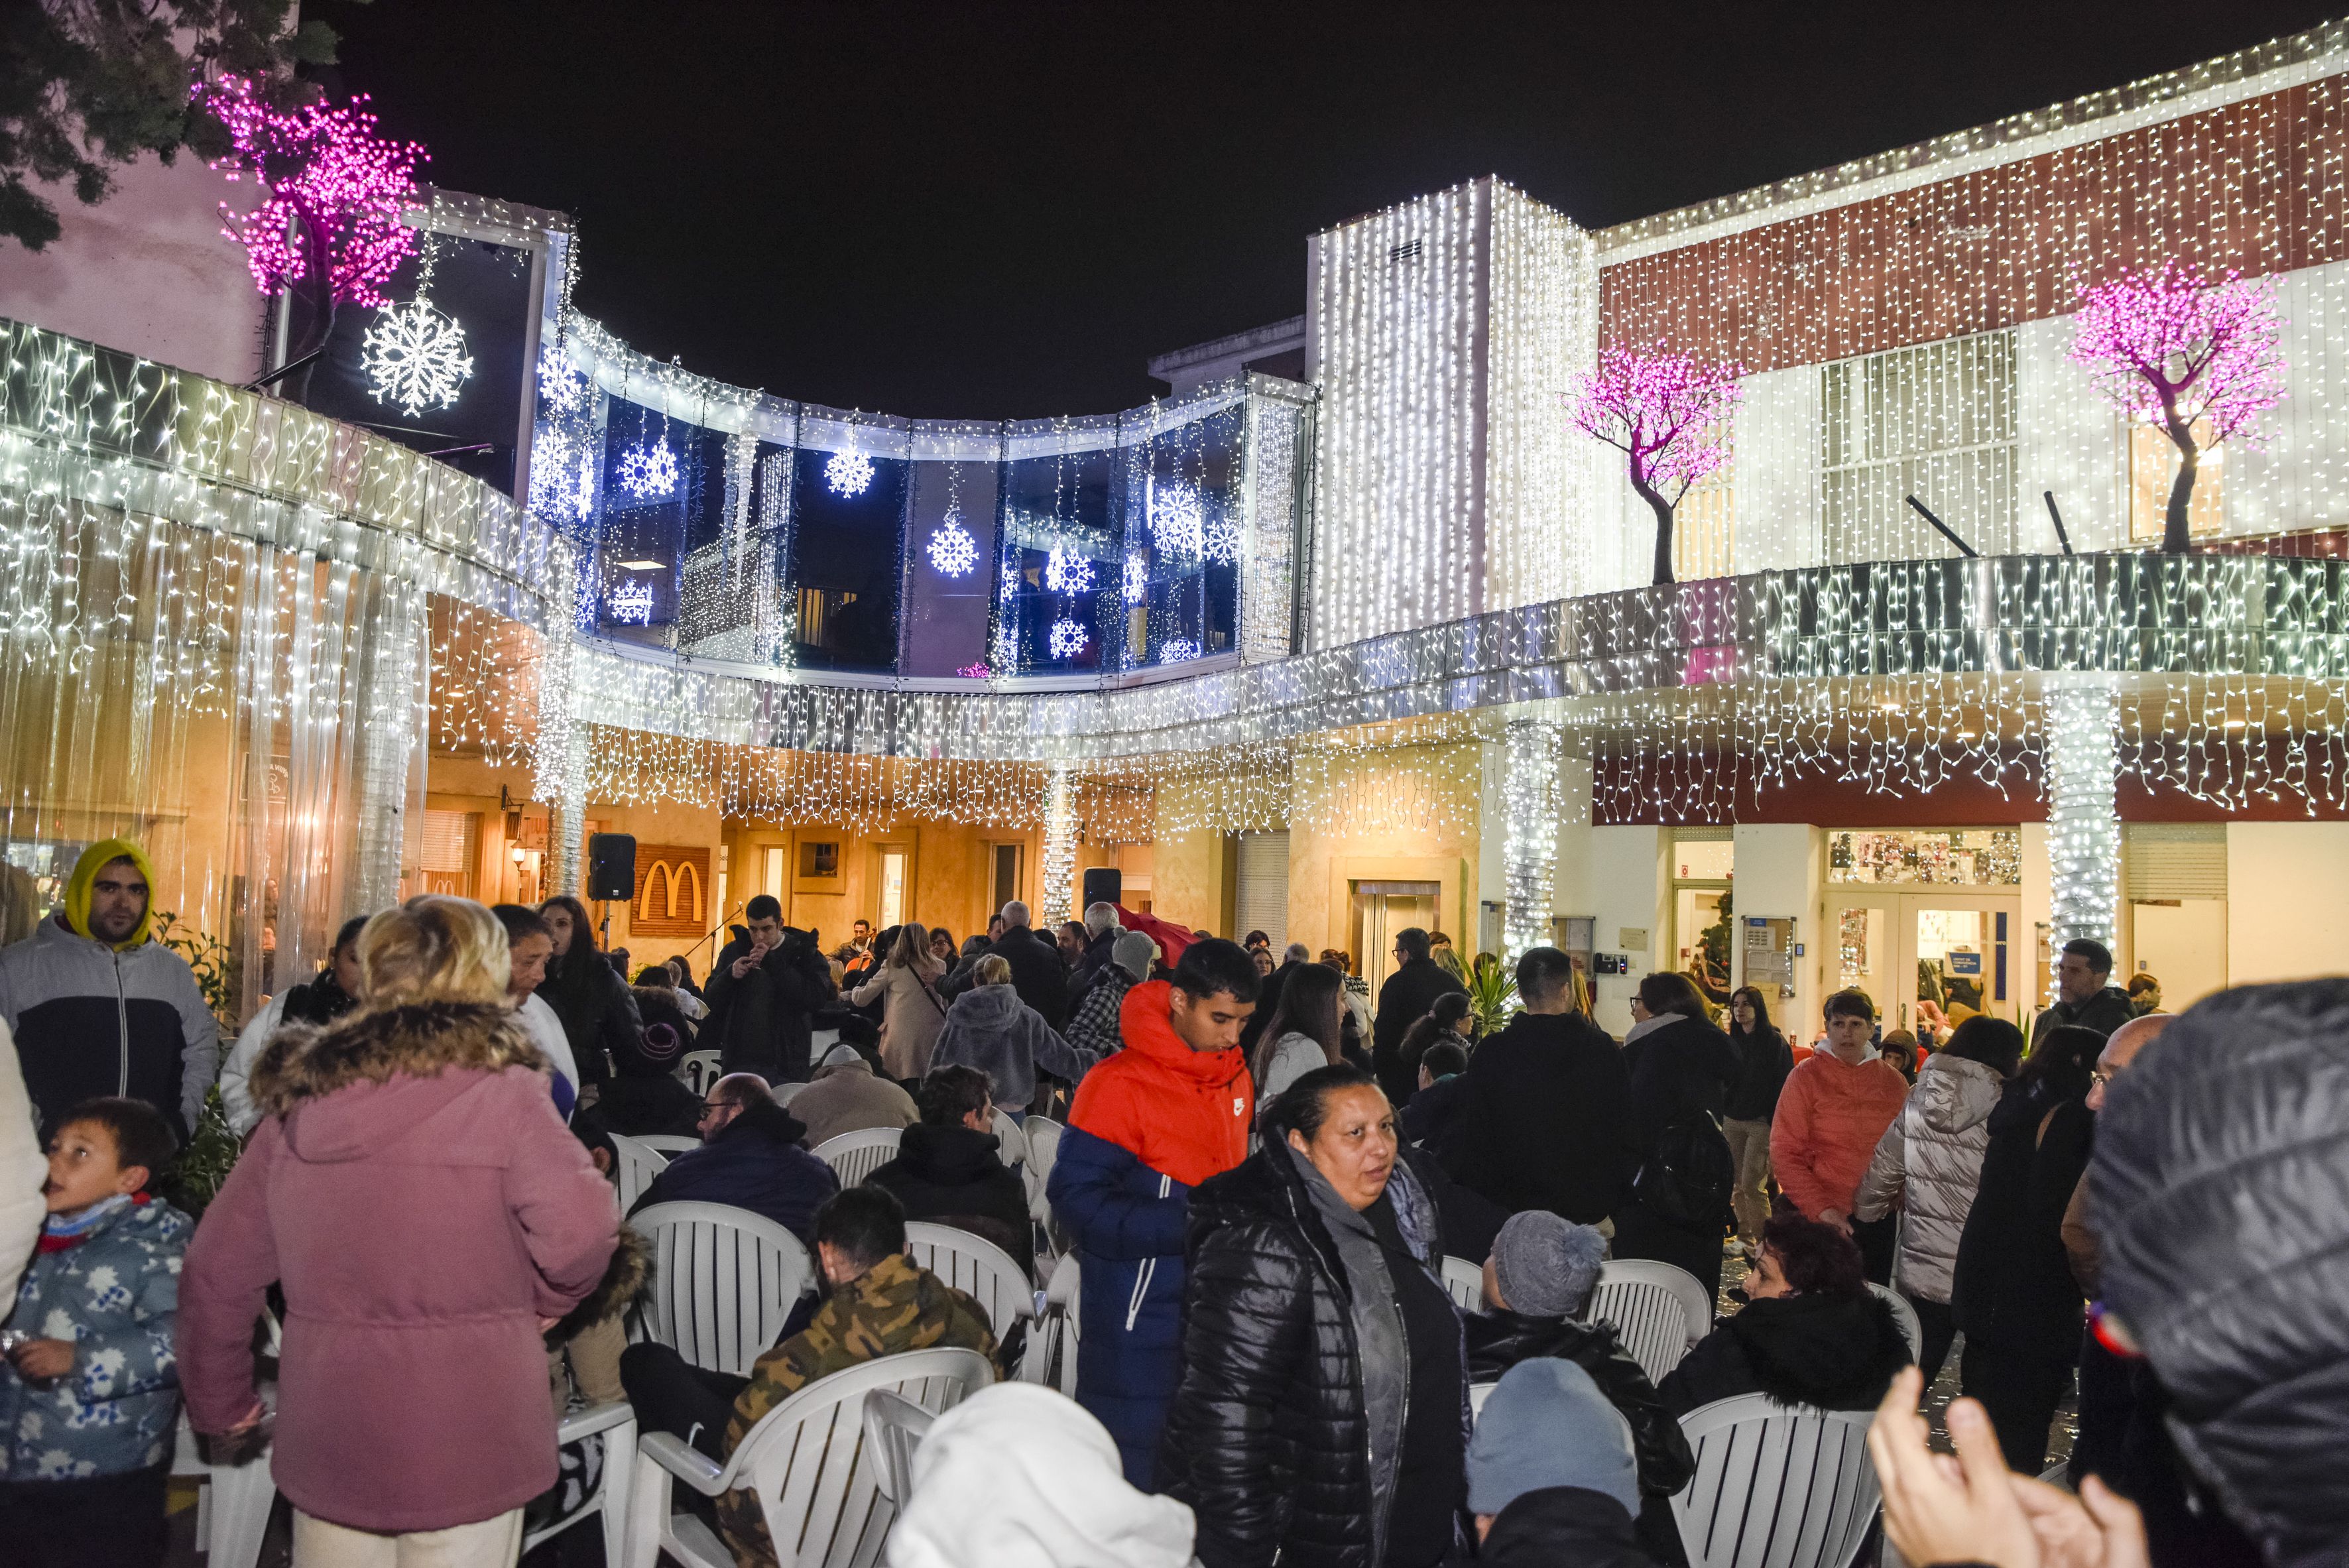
1529,805
2084,829
561,776
1060,849
396,705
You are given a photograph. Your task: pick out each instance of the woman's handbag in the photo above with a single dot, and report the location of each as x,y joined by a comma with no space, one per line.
1689,1173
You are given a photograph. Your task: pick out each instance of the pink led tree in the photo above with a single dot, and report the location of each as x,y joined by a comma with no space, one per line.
2175,350
1669,415
330,232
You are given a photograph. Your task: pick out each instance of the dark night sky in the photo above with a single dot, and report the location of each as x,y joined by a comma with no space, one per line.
1004,210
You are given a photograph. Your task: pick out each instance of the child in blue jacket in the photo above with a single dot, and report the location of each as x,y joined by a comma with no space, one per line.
89,1395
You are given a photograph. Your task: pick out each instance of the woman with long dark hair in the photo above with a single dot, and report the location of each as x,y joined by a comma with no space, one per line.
1764,1060
2014,1296
1320,1413
1303,1035
597,1009
906,984
1681,1069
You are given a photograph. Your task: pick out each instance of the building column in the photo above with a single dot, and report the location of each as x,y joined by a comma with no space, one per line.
393,742
1060,848
1529,805
561,776
2084,829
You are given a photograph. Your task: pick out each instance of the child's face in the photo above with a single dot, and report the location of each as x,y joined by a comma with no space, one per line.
86,1168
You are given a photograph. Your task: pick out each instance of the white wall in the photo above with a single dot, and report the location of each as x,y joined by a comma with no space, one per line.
1629,885
2069,442
1780,869
2287,901
2038,910
147,270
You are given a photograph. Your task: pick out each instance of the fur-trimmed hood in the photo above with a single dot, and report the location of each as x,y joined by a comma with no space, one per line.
405,1053
625,1277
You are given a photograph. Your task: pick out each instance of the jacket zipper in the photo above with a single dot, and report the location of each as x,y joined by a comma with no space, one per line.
122,1023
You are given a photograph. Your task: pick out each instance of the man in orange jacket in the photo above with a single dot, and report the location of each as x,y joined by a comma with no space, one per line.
1836,1106
1150,1123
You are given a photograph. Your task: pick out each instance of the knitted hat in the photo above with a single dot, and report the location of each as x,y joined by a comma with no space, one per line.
1546,1266
1132,952
661,1045
1547,1425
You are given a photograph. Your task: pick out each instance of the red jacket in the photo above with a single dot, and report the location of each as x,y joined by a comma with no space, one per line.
1182,1113
1829,1117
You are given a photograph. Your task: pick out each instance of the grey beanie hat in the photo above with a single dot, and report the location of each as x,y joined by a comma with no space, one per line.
1547,1425
1132,952
1546,1266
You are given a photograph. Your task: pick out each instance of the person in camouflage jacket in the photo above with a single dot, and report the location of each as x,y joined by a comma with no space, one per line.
883,1305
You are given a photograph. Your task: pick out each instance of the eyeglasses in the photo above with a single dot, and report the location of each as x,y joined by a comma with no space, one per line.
2101,1076
711,1108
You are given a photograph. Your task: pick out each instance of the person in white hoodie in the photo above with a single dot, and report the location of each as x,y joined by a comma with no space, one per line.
1019,1473
24,1173
1929,1163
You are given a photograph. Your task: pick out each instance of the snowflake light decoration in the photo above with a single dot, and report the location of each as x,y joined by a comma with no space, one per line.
953,552
1137,577
1221,539
562,478
415,358
1180,651
1177,520
649,472
632,604
848,473
561,390
1065,571
1069,639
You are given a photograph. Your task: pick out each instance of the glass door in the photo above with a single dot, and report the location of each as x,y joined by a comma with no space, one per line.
1381,909
1864,928
1965,954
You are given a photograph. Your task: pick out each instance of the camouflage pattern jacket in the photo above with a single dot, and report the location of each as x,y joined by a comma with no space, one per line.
895,1306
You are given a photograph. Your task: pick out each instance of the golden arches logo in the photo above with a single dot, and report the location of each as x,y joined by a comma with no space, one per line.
681,884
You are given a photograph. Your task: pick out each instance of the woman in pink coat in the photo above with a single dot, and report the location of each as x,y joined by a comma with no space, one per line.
428,1215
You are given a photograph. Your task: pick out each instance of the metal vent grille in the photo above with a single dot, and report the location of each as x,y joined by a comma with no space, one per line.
2175,859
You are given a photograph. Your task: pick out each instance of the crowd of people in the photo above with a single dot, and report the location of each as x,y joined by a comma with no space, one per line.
1260,1176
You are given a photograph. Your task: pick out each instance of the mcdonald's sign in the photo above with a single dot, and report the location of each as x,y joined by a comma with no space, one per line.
672,891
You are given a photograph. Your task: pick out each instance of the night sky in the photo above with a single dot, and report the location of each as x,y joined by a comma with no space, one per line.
992,211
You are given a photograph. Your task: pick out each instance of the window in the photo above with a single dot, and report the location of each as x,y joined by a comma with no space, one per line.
447,857
2152,468
770,878
1704,527
1007,875
1937,421
1962,857
891,877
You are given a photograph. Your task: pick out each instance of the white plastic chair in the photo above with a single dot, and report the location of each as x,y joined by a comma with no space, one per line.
724,1280
1905,1315
1050,1358
1478,1394
1465,1280
639,1163
1776,1488
668,1143
976,1266
1657,1311
1011,1140
806,1461
853,1156
699,1071
787,1092
1043,1147
617,1422
894,1428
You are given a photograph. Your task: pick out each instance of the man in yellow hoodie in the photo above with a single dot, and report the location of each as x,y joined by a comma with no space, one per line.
99,1007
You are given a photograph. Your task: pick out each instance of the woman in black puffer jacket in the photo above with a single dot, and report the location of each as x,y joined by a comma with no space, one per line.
1320,1416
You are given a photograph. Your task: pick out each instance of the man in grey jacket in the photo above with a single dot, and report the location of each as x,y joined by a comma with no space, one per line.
99,1006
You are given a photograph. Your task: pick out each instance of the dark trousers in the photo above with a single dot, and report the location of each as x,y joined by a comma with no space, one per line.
2107,1404
1877,1241
672,1395
116,1520
2020,1389
1940,1328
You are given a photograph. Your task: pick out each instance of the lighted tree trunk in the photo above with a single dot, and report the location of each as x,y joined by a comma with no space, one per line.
1663,511
2181,488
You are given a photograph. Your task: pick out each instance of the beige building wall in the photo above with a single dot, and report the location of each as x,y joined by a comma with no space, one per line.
2287,902
1628,878
1781,874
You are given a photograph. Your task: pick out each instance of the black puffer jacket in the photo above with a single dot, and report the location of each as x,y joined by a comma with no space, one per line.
1836,1352
2220,1196
1499,1340
1268,1327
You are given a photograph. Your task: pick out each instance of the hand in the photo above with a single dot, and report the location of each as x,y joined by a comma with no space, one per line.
39,1360
547,1325
245,1423
742,966
1937,1509
1836,1218
2097,1528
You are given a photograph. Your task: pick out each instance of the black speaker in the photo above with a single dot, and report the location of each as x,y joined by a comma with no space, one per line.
1103,885
612,865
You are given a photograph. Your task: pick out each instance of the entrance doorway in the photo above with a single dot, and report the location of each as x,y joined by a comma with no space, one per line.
1381,909
1929,958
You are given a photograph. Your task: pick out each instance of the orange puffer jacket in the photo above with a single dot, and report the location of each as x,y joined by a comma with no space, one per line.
1829,1117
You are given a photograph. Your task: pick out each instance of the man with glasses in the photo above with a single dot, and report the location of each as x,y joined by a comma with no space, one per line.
752,1157
1403,1000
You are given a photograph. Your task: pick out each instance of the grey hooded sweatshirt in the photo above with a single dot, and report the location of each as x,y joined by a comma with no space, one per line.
1929,1163
990,1028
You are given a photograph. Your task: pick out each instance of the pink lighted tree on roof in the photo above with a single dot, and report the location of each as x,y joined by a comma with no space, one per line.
330,231
1669,415
2175,350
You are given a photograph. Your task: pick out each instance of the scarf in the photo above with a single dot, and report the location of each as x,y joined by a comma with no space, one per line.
60,1232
